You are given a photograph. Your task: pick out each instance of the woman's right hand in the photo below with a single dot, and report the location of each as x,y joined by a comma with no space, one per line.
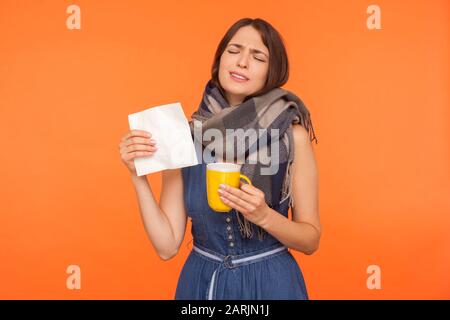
135,144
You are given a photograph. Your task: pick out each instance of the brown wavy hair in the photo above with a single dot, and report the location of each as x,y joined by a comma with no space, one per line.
278,73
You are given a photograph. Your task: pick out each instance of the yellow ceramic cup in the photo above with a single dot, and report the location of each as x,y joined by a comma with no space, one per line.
218,173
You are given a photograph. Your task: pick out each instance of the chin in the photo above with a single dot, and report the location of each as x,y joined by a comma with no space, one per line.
235,88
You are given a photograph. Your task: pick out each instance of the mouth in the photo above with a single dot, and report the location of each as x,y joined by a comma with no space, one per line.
238,77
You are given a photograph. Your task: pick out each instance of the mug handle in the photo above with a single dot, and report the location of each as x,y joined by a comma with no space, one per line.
243,176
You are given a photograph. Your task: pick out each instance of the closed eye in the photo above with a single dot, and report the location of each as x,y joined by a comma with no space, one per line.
235,52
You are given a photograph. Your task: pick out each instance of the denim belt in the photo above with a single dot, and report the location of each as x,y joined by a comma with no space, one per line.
233,261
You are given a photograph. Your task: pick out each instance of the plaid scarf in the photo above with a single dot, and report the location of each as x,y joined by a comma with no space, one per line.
276,109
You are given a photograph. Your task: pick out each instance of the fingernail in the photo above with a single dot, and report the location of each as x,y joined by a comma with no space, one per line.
222,186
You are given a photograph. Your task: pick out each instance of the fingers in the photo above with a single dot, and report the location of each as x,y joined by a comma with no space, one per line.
138,147
137,133
136,154
250,189
238,196
139,140
234,205
137,143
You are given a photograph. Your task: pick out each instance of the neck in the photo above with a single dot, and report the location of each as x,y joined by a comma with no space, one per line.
234,100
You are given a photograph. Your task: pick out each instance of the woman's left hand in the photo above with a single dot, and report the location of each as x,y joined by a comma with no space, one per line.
248,200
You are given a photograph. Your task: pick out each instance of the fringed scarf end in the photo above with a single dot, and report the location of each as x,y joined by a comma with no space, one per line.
246,228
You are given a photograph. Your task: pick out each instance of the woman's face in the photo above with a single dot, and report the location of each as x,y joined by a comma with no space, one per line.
247,56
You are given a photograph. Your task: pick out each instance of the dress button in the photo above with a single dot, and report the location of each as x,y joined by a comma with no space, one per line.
228,228
230,237
228,219
231,244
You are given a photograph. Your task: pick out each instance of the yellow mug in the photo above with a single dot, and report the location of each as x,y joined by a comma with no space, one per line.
222,173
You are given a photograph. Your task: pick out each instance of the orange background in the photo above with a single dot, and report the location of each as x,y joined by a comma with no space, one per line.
379,101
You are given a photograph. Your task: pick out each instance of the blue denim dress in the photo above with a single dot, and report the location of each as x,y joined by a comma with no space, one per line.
216,234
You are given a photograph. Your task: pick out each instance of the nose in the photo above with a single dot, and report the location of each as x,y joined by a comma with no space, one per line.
242,65
243,61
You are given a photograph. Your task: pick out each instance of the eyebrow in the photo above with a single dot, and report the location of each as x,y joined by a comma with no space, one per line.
240,46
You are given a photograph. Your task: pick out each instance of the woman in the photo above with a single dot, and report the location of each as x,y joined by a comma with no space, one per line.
241,254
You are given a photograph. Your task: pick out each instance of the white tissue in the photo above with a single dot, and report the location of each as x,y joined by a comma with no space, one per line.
170,129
